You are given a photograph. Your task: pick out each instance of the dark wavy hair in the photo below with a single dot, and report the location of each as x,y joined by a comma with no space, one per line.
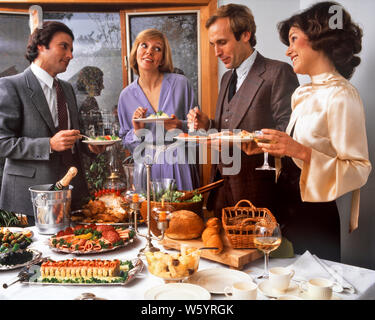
43,37
340,45
241,20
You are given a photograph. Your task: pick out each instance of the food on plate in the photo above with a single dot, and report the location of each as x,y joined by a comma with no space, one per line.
104,138
211,235
84,271
174,195
14,257
175,265
184,225
243,134
158,115
90,238
106,207
12,241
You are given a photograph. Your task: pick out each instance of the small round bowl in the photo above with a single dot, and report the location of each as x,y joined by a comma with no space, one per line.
174,266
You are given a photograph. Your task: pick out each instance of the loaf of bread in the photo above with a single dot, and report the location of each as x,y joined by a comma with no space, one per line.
184,225
211,235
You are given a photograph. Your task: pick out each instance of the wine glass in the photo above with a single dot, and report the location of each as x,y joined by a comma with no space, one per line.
258,137
267,238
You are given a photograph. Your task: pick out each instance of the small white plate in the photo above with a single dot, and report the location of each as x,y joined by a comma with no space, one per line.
234,138
215,280
192,138
305,296
150,120
177,291
266,289
101,142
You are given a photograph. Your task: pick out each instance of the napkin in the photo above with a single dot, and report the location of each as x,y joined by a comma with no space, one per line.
309,266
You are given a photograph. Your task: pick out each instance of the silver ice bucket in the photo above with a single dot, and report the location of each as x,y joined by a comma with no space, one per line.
51,208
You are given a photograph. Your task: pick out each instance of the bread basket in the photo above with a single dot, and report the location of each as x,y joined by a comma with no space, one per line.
239,223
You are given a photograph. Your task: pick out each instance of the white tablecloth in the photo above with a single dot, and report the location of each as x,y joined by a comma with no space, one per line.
362,279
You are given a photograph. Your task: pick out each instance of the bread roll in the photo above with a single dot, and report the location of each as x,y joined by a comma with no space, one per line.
185,225
211,235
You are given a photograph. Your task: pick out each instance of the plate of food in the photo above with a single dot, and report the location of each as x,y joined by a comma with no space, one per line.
94,272
215,280
13,239
14,259
101,140
106,207
88,239
159,116
187,137
242,136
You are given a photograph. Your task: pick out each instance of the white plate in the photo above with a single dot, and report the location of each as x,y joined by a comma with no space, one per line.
305,296
234,138
150,120
17,229
177,291
191,138
265,288
101,142
215,280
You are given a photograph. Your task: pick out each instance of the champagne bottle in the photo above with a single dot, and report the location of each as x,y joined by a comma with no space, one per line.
64,182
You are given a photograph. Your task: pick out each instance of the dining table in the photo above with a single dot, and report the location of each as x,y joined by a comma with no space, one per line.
358,283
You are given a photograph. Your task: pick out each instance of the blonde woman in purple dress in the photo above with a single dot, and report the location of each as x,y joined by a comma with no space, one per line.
157,89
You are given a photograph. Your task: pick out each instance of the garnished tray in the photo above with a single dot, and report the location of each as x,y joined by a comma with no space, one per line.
89,239
35,257
126,277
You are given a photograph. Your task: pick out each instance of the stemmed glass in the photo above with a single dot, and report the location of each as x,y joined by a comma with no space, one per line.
267,237
258,137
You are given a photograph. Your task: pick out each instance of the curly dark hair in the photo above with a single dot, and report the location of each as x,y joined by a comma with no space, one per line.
43,37
241,20
339,44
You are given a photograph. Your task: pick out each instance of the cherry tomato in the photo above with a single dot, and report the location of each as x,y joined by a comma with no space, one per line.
108,137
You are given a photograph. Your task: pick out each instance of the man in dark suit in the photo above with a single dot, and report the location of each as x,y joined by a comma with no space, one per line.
255,94
39,124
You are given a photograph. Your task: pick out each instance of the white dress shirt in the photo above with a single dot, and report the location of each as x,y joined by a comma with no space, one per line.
46,82
244,69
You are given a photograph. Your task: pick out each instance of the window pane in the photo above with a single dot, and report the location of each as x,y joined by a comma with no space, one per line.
181,31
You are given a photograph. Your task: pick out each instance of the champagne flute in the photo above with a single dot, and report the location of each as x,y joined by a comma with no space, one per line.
267,238
258,137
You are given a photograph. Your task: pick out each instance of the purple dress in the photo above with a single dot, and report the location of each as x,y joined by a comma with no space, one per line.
176,97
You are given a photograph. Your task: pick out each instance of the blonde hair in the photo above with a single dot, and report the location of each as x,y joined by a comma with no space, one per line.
167,64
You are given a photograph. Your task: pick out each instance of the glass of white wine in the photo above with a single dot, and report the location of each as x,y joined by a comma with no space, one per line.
258,137
267,238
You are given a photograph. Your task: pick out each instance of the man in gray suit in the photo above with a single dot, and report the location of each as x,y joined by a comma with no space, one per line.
39,126
255,94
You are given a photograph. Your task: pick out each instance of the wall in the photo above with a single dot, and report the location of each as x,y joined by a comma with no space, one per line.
358,248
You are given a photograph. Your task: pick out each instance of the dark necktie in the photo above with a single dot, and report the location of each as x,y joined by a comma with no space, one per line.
62,116
232,85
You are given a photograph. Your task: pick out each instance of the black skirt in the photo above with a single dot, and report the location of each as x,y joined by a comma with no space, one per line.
313,226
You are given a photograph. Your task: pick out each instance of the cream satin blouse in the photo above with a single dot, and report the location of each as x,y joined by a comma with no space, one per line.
328,116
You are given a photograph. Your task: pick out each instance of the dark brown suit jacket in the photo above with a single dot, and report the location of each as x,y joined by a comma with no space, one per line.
263,101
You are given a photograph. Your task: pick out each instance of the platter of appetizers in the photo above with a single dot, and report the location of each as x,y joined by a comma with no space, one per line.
15,259
82,272
189,137
92,238
242,136
159,116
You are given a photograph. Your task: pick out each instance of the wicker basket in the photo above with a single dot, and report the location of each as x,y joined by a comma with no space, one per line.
239,223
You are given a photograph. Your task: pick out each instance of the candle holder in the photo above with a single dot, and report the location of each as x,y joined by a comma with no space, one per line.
161,217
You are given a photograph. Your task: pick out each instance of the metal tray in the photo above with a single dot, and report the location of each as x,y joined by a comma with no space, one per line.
138,267
36,255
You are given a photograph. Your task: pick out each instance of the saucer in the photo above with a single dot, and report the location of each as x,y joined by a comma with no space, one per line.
265,288
304,295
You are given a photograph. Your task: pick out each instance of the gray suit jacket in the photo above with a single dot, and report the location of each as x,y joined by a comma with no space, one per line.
26,126
263,101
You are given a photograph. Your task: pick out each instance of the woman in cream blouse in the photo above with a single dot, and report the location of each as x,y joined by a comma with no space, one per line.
324,151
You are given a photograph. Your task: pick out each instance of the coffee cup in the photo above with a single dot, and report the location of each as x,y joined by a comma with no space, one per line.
318,288
279,278
242,291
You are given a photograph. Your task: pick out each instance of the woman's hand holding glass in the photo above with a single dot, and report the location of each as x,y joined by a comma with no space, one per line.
284,145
